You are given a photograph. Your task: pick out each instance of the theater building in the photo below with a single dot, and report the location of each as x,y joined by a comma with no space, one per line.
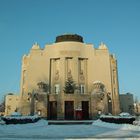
92,71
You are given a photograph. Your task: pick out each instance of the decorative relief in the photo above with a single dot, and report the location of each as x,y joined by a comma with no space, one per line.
98,87
98,91
82,78
57,75
69,73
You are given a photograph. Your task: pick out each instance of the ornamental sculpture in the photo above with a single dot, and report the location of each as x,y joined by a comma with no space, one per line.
98,90
82,78
69,73
57,75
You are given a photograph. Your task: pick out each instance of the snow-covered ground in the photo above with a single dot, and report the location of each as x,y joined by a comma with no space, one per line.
98,130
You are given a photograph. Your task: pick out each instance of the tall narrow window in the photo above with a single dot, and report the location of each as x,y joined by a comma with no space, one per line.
82,89
114,76
57,88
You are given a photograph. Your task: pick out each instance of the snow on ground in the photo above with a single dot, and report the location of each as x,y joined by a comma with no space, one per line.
41,131
117,126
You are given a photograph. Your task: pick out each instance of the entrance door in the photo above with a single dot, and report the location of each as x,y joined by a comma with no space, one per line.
85,110
53,110
69,110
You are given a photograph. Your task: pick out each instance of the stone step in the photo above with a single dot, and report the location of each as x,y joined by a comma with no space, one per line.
69,122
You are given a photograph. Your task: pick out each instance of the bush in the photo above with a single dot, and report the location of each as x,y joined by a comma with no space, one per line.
20,120
118,120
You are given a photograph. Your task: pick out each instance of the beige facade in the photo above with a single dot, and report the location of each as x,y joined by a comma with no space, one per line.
11,104
94,70
137,106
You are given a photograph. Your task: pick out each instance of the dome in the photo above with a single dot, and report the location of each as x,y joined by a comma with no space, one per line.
69,37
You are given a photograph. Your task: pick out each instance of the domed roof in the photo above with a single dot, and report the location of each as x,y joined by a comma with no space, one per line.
35,46
69,37
103,46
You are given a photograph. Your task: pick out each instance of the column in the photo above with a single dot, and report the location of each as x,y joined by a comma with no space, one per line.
60,97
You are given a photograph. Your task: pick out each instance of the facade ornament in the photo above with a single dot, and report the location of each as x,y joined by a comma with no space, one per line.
98,90
69,73
57,75
98,87
82,78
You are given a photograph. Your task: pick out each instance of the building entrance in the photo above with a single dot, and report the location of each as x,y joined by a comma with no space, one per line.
85,110
53,110
69,110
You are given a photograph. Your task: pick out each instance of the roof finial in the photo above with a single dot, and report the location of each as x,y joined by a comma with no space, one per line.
35,46
103,46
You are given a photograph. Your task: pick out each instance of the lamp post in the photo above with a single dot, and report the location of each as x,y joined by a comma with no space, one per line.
109,104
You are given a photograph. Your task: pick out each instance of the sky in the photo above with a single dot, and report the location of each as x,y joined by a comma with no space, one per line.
114,22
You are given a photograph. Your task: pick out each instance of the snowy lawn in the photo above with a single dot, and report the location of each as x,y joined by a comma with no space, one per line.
41,130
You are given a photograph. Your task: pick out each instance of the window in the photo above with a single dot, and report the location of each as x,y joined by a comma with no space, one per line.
57,88
82,89
114,76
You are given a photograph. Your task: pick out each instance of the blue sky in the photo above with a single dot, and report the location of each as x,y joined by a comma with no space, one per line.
114,22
